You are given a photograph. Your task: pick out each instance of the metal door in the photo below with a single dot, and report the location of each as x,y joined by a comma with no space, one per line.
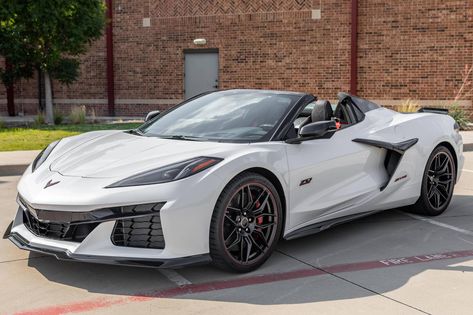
201,72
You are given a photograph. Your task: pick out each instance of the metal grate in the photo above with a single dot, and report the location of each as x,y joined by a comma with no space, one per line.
141,232
57,231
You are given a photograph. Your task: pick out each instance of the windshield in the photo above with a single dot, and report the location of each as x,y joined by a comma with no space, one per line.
234,115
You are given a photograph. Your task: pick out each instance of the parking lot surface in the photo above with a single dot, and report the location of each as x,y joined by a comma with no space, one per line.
388,263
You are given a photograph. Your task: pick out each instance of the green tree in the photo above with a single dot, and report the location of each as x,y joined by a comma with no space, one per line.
48,35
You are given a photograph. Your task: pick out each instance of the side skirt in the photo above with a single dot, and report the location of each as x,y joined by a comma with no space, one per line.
321,226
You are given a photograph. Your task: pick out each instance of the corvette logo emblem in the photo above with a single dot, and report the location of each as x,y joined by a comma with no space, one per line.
51,183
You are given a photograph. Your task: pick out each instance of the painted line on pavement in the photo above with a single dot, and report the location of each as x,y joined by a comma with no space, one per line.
465,170
175,277
444,225
94,304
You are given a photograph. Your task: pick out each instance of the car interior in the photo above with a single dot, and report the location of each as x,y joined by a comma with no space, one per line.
345,114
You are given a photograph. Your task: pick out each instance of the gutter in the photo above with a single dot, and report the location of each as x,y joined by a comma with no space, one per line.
354,48
110,67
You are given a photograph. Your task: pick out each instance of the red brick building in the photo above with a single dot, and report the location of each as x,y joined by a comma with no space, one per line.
406,49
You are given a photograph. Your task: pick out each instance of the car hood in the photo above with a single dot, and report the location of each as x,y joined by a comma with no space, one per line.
120,154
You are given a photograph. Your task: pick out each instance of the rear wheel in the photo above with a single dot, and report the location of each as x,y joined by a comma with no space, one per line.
246,223
437,184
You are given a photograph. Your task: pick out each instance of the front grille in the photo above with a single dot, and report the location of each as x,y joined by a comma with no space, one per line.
57,231
141,232
136,225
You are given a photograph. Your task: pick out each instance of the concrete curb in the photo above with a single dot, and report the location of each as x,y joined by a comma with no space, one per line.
468,147
12,170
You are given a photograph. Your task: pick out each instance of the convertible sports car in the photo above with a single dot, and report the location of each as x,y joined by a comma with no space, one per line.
223,176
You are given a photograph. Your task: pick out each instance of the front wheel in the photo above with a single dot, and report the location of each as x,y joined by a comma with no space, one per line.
246,223
437,183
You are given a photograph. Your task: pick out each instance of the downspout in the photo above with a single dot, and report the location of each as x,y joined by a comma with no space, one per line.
354,48
110,70
10,93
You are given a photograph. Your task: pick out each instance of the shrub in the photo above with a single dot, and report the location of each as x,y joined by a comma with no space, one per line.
93,116
77,115
58,117
2,124
460,115
408,106
39,119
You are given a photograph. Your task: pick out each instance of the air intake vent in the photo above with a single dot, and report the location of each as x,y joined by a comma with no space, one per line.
141,232
57,231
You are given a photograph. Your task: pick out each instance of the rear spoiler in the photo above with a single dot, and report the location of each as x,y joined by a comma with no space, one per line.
433,110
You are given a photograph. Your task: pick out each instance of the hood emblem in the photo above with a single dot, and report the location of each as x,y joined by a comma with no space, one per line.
51,183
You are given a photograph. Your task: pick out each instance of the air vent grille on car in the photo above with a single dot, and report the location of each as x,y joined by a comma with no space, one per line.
141,232
57,231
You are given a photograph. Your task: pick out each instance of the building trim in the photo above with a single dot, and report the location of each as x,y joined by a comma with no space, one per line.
354,48
173,101
100,101
110,66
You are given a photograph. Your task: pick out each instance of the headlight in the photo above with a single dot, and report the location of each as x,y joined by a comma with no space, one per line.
168,173
43,155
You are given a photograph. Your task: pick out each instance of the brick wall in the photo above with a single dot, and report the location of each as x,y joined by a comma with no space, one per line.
414,49
406,50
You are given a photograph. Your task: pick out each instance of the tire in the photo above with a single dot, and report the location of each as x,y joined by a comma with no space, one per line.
244,231
438,182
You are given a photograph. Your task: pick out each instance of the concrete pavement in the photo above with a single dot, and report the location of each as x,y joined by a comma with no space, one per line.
389,263
467,140
15,162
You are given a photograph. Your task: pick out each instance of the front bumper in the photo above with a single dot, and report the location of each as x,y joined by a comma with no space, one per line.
97,247
185,218
65,254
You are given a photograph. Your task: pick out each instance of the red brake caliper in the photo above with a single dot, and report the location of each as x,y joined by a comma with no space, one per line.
259,220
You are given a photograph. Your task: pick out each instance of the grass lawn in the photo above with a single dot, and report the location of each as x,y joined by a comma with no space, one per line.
36,138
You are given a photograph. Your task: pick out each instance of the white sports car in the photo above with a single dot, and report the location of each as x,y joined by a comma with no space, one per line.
223,176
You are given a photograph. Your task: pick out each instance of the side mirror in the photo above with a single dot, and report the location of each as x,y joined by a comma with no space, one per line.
152,114
317,129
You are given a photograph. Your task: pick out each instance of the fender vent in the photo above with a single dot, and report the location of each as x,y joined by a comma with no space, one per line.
394,153
141,232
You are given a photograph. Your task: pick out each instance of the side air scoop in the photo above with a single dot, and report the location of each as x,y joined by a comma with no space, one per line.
394,154
399,147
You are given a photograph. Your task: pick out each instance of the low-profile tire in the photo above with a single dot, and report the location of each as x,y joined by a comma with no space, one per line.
438,182
246,223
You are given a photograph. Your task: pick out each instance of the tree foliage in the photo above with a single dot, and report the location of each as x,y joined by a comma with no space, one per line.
48,35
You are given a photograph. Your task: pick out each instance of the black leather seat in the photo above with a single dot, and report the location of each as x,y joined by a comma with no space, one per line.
322,111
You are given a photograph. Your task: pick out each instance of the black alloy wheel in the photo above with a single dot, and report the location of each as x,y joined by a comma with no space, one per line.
437,184
246,223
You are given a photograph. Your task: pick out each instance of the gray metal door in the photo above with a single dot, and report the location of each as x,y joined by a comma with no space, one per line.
201,73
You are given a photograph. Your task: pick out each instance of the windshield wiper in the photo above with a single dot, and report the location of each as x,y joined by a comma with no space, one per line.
182,137
136,132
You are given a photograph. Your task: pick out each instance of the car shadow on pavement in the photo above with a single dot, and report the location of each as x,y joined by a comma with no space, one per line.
390,234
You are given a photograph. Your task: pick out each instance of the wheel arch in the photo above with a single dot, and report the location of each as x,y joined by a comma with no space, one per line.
452,151
277,184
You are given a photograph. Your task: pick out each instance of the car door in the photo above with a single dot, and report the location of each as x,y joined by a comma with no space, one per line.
330,176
